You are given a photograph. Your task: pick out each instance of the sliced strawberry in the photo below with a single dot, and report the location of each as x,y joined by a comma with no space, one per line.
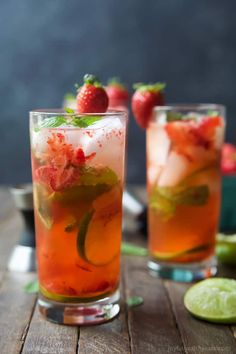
63,179
44,174
228,160
117,93
207,127
92,97
145,98
185,133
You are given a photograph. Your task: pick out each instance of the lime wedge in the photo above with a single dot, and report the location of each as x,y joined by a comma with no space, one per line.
166,256
213,300
226,248
68,298
42,205
99,236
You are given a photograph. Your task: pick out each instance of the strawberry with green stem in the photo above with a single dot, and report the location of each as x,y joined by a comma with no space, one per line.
144,99
117,93
92,97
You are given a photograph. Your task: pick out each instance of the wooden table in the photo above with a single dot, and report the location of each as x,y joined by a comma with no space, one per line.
160,325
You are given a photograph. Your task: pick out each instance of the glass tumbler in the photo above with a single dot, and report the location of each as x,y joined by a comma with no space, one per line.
78,177
184,189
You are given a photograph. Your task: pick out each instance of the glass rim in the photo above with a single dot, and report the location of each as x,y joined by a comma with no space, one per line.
61,111
190,106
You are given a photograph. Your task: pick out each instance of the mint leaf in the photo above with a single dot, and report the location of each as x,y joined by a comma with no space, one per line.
194,195
52,122
133,250
212,113
176,116
69,110
134,301
173,116
84,122
32,287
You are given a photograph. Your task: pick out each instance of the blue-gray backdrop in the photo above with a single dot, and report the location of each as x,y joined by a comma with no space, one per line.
46,46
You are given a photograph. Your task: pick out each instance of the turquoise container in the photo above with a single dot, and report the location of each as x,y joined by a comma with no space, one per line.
228,204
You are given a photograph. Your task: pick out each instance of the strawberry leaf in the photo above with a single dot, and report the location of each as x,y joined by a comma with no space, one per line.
156,87
69,96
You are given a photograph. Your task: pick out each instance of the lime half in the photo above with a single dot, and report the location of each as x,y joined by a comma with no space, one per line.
226,248
213,300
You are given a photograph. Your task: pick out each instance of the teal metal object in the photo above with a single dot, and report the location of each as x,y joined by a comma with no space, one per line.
228,205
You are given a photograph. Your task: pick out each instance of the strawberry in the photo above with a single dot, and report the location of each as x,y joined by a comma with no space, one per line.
117,93
144,99
184,133
92,97
228,160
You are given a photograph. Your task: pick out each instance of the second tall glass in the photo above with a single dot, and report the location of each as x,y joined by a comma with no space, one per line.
184,187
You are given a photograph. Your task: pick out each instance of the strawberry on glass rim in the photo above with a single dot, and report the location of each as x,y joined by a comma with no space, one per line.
144,99
117,93
92,97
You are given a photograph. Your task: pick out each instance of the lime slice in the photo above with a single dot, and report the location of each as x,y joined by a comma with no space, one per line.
68,298
226,248
213,300
166,256
99,235
42,205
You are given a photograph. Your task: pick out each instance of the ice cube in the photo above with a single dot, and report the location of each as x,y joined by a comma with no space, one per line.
106,139
39,141
158,144
176,168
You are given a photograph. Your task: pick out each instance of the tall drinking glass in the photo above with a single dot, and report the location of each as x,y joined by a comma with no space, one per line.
78,176
184,187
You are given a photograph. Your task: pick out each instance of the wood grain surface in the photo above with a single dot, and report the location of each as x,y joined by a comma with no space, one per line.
160,325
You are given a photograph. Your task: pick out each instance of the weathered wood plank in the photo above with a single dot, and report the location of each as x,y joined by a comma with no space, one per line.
47,337
107,338
152,327
15,312
198,336
9,233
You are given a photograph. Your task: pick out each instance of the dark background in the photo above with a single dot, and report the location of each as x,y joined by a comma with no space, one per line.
47,46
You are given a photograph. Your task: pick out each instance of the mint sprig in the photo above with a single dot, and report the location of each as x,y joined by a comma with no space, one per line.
52,122
176,116
71,119
84,122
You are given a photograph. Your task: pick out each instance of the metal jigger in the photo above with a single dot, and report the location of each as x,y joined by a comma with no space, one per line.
23,256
